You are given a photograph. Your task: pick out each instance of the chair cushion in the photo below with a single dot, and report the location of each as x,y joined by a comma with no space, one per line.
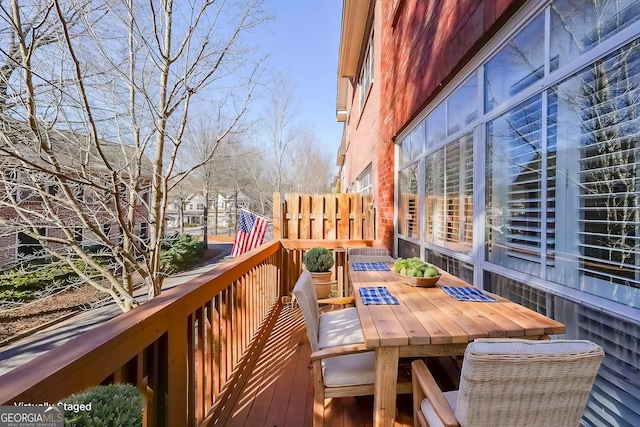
352,369
554,349
430,414
549,379
339,327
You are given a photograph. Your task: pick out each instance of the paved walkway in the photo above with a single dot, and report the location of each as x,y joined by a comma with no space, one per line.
42,341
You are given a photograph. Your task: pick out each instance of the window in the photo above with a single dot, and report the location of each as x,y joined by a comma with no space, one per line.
52,189
462,106
10,184
78,234
144,231
200,206
458,268
366,73
408,214
518,65
436,127
576,29
598,120
514,187
364,185
449,196
106,230
78,192
29,246
413,145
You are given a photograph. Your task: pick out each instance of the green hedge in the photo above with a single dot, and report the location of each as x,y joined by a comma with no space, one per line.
23,283
111,405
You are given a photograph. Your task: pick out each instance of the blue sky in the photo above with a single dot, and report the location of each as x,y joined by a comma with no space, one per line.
303,43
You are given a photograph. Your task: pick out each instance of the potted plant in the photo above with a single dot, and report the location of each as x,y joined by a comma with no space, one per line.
319,262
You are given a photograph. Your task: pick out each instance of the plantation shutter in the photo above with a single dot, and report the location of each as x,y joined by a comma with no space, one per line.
449,195
524,195
449,229
610,169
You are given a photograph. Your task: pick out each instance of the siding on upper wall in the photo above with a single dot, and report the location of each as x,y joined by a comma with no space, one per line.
430,42
364,124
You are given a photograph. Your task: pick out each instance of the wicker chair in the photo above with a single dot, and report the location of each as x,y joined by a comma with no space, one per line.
342,365
511,382
369,255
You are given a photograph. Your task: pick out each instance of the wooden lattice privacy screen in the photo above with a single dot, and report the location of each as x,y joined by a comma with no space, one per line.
323,216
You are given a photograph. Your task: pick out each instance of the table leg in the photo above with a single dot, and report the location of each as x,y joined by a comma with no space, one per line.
384,399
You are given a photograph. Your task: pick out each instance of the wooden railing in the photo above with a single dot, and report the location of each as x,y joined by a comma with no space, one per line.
180,349
184,349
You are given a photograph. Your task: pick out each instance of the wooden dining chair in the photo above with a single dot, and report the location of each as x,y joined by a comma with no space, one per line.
342,365
511,382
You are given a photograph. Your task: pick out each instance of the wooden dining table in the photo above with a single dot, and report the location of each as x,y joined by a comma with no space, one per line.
429,322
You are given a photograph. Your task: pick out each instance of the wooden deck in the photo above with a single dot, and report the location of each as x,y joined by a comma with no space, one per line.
279,389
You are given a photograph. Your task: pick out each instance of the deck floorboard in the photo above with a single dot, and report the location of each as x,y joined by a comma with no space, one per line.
279,391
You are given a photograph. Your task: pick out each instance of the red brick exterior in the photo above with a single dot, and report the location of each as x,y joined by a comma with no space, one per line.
430,42
9,237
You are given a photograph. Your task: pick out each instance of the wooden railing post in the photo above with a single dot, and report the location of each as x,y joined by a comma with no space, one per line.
277,217
176,370
157,383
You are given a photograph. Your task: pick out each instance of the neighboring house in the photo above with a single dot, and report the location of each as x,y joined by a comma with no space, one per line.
194,210
226,207
502,140
19,190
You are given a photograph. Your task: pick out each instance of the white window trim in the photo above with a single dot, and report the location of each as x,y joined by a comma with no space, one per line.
368,65
365,172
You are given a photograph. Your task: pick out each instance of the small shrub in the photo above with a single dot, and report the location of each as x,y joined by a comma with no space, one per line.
112,405
318,260
180,253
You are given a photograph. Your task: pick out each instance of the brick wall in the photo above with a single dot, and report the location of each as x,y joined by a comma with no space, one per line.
430,42
7,248
364,125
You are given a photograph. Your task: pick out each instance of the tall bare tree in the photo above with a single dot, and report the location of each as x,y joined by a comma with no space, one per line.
130,74
38,25
297,161
280,128
211,147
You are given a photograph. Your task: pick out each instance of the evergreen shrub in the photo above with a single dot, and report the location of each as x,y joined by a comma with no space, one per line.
318,260
180,252
112,405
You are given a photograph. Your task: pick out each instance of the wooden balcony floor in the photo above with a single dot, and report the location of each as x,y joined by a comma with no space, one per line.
279,390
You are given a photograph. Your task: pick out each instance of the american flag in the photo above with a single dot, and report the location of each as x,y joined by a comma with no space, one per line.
251,231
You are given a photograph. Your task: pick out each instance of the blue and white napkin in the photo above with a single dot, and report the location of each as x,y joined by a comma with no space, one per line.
377,295
369,266
468,294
